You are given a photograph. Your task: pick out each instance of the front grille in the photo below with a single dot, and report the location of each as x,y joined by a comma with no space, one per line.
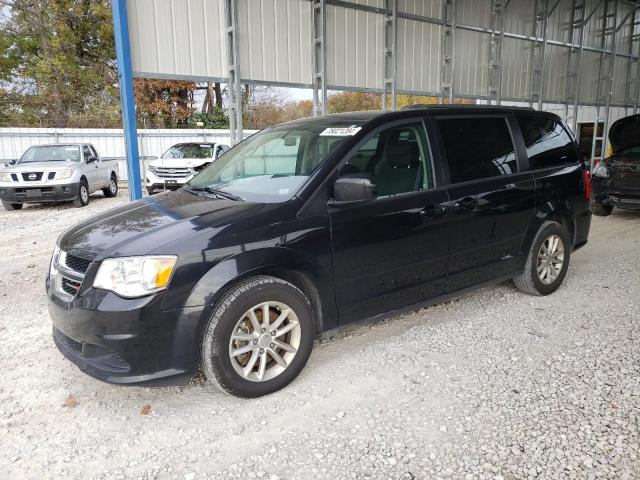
32,176
165,172
68,275
70,287
77,264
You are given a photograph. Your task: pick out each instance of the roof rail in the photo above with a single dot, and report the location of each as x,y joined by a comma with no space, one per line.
418,106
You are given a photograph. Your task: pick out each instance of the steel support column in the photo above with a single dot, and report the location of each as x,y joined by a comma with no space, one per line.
448,48
538,51
574,61
127,99
389,61
606,69
319,56
233,71
498,9
633,81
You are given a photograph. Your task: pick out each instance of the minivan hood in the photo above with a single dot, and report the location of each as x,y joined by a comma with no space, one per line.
625,133
179,162
141,227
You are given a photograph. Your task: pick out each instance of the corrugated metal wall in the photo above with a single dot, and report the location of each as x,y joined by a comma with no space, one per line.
185,39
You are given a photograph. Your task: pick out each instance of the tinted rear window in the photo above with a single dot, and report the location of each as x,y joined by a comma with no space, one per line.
548,144
477,147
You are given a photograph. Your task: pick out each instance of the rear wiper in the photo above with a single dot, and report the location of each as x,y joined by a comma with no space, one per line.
218,193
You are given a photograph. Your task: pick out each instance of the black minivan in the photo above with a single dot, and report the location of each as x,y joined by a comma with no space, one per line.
312,225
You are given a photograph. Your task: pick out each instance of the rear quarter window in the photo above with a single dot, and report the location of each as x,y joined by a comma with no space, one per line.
548,144
477,147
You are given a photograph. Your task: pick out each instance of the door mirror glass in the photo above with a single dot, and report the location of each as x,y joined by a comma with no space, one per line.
92,159
356,187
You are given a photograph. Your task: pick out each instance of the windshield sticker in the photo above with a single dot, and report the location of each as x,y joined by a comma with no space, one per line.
340,131
73,149
283,191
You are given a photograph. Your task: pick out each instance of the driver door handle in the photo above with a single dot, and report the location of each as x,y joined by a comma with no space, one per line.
434,211
466,204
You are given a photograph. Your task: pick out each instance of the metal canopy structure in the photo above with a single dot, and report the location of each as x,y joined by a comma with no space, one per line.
573,53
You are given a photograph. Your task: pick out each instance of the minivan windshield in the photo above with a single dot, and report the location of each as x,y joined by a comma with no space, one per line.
190,150
271,166
53,153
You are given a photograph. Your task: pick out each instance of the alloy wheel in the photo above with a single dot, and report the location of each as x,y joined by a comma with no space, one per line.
550,259
264,341
84,193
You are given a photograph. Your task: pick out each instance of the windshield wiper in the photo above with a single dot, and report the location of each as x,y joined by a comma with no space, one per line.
217,193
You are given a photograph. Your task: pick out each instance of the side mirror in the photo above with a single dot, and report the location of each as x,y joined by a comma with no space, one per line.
13,162
352,188
92,159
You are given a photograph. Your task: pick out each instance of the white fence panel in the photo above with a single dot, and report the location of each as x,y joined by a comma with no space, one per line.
108,142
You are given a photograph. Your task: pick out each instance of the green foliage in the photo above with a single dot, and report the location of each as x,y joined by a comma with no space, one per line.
57,64
215,119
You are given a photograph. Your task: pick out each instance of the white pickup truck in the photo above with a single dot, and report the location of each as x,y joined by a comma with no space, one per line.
57,173
180,164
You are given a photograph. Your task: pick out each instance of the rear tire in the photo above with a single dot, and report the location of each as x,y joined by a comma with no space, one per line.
112,190
258,360
546,264
12,206
82,200
601,210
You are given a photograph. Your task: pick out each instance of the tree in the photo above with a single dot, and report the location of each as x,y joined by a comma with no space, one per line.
163,103
57,64
266,106
353,102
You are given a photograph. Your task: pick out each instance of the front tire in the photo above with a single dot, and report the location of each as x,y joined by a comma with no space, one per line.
547,262
601,210
82,200
112,190
150,191
12,206
258,338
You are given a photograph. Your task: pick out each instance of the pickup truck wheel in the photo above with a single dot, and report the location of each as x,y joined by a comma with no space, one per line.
150,191
112,190
547,262
82,199
11,206
258,338
601,210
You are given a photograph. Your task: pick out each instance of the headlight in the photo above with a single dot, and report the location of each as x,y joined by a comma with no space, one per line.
66,173
600,170
5,177
132,277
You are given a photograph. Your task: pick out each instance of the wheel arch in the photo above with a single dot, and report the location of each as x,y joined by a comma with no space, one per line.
560,212
277,262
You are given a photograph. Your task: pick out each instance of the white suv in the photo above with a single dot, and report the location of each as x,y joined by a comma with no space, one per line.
180,164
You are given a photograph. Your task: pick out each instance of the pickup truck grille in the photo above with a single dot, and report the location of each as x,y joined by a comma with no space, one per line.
165,172
31,176
68,274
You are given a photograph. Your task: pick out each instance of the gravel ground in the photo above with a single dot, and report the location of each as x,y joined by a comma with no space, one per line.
494,385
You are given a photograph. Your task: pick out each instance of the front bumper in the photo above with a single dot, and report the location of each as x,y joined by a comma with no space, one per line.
606,195
127,341
39,193
154,182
